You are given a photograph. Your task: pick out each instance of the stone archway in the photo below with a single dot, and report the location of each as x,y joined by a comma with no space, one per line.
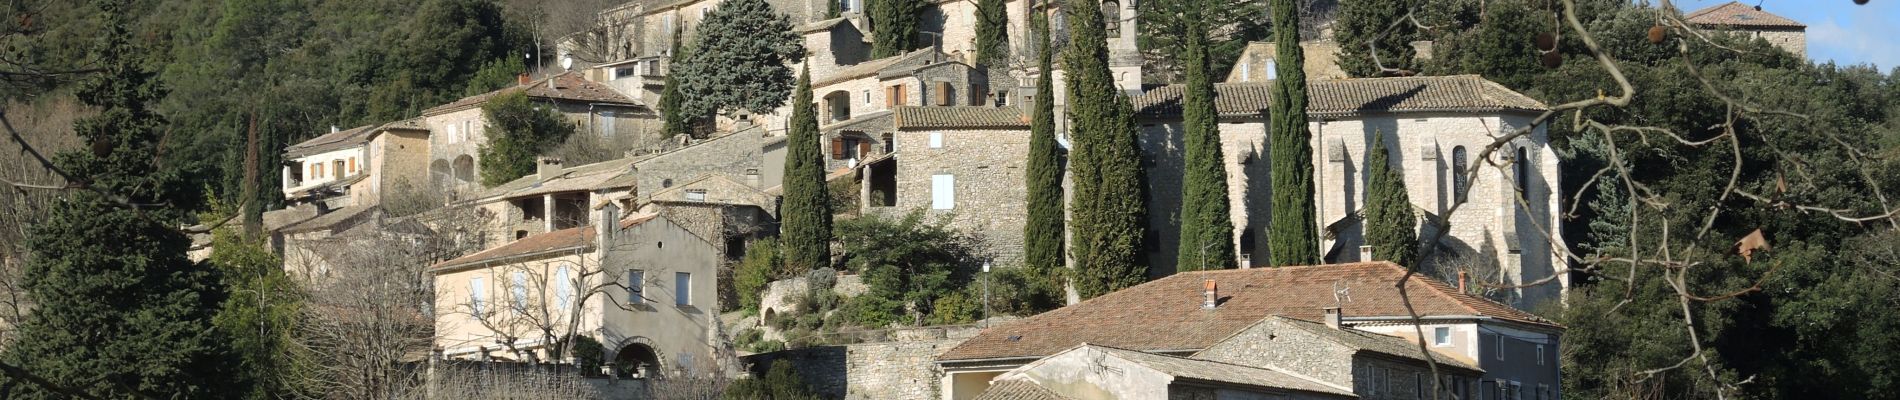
464,169
440,174
637,358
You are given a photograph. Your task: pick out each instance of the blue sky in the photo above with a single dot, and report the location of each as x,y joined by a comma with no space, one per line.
1838,30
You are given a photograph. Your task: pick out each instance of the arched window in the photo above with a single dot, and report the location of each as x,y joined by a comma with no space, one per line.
1459,182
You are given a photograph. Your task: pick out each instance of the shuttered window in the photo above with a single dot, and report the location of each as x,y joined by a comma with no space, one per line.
943,191
352,165
837,148
475,294
941,94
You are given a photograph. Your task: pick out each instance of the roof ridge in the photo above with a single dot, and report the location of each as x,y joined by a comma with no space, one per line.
1454,299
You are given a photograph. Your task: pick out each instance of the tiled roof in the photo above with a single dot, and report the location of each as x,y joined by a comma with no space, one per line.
867,68
1214,371
823,25
1736,14
580,237
1016,389
600,175
331,220
1372,342
910,117
567,86
1166,314
329,142
1353,96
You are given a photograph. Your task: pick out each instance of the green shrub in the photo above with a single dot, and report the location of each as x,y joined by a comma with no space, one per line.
588,355
755,272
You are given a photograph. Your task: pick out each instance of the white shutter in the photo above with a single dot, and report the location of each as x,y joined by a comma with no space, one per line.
943,191
936,140
683,288
564,288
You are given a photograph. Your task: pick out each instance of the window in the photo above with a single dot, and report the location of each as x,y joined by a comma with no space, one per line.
468,130
564,287
683,289
338,169
1418,385
1540,354
1441,336
475,294
1499,346
943,195
696,194
454,135
352,165
606,124
890,143
636,286
1246,69
666,25
1458,179
519,292
936,140
1002,98
1523,164
316,170
1273,70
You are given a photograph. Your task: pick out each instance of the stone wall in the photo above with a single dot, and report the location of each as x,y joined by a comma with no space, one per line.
733,155
1243,144
987,169
901,368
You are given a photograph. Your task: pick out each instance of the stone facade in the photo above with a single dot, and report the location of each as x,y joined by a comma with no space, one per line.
737,154
985,167
1299,351
1243,143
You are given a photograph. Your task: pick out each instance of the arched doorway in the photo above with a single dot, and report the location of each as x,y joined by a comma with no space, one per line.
440,174
636,360
464,169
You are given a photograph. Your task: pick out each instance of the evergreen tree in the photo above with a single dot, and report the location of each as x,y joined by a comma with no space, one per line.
518,131
1228,24
894,26
1043,232
1293,233
805,227
673,119
1391,228
739,60
1207,230
1361,21
1109,207
120,311
260,316
495,75
992,32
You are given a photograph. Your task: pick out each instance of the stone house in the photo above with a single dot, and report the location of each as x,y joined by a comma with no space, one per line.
1434,127
1191,315
642,286
1750,21
357,166
960,163
460,126
554,198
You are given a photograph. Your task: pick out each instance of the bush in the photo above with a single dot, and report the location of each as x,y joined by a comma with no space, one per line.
755,272
588,355
781,382
906,265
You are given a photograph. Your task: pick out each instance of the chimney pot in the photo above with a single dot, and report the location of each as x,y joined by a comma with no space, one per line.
547,167
1212,295
522,79
1462,276
1332,317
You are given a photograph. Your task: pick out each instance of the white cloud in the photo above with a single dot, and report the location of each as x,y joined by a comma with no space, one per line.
1867,39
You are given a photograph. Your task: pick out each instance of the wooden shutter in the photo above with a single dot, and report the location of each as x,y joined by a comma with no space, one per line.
864,148
837,148
890,96
942,94
352,165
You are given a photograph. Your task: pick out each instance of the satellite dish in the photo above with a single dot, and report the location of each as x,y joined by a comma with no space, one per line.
567,63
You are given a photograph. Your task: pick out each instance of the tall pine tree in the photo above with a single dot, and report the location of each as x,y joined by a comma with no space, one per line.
1109,207
1207,230
121,312
992,32
1293,233
1043,232
894,26
805,225
1391,226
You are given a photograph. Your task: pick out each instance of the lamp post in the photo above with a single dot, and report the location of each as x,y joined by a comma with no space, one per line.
986,294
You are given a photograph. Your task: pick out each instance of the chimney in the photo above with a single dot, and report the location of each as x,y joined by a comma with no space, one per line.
547,167
1332,317
1212,295
333,129
1461,281
1365,253
523,79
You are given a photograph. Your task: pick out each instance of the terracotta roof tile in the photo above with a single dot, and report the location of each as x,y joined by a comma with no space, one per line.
328,142
908,117
567,86
1215,371
1166,315
570,238
1353,96
867,68
1736,14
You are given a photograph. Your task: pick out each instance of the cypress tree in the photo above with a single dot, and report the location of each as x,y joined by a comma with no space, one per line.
120,311
1293,233
992,32
1043,232
1109,207
806,216
1390,224
1206,228
894,26
673,118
